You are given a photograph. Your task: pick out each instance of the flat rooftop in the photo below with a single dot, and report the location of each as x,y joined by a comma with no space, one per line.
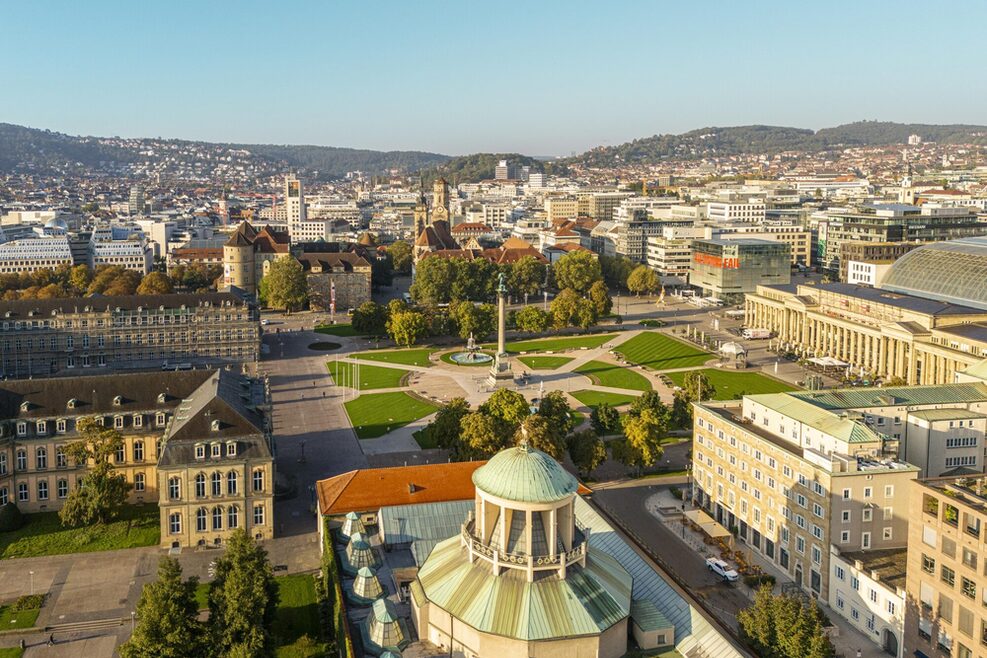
889,564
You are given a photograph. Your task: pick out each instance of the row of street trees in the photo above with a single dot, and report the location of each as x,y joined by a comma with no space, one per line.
784,626
80,280
243,599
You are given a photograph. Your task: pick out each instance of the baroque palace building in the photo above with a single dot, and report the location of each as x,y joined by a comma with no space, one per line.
926,323
195,443
78,335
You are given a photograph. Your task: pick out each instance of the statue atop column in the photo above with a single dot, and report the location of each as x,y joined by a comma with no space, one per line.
500,372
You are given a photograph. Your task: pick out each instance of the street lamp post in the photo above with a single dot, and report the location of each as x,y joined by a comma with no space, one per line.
32,582
545,303
133,621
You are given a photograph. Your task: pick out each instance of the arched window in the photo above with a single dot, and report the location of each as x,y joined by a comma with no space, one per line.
3,463
200,485
217,484
175,523
258,480
138,450
200,519
217,518
258,515
231,483
233,517
174,488
21,460
41,458
3,495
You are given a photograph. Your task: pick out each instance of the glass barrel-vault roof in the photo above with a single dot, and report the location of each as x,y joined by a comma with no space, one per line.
953,271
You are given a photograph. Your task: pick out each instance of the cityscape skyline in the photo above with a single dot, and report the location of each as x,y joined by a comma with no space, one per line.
535,88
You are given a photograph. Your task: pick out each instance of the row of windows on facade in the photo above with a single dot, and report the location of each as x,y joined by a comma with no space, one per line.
61,457
61,489
86,361
944,614
140,319
123,340
216,482
62,425
202,517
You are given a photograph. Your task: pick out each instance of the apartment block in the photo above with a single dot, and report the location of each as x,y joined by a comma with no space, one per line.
794,478
946,582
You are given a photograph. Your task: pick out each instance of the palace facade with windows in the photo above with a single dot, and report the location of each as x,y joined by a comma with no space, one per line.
179,429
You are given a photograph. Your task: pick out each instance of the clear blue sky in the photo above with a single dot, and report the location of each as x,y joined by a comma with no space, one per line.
543,78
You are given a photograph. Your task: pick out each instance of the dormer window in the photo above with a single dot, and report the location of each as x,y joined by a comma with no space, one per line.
61,425
215,426
138,420
216,450
73,403
159,419
162,398
117,400
118,422
200,451
22,429
42,427
25,406
231,449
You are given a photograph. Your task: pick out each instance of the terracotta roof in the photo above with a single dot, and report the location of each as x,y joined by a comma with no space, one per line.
370,489
198,253
345,261
569,246
516,243
471,226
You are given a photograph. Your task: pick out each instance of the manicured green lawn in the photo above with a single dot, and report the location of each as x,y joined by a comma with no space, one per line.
337,330
447,357
296,624
22,619
376,414
371,377
43,534
595,398
615,376
413,357
202,595
544,362
557,344
660,352
731,385
11,652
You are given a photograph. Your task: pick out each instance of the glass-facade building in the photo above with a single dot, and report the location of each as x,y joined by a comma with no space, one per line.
729,269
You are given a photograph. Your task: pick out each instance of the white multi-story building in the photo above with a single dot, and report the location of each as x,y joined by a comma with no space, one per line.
32,254
294,205
748,211
347,211
867,588
866,273
670,253
132,254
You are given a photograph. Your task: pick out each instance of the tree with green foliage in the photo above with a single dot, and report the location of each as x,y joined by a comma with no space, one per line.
643,279
532,319
285,285
243,599
508,408
784,626
599,296
587,451
526,277
481,436
896,381
401,256
167,618
445,428
651,401
370,319
616,269
433,281
570,310
604,419
111,280
554,406
10,517
101,492
577,270
681,416
79,278
641,445
539,433
407,327
473,280
470,319
155,283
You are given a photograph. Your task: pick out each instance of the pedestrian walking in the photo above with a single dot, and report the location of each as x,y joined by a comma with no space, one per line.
858,653
51,640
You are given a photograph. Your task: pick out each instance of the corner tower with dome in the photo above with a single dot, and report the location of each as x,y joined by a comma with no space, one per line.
521,578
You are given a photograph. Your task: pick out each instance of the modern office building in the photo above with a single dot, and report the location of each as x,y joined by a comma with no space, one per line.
746,211
197,444
69,336
798,239
793,477
32,254
946,588
731,269
294,201
136,201
670,253
926,322
878,253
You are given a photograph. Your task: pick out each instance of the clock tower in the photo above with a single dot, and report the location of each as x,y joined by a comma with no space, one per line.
440,201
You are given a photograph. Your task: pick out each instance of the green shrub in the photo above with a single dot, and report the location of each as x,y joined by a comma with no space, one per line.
675,491
28,602
755,581
10,518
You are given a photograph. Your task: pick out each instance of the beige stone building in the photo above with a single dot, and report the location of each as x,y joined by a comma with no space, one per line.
793,478
248,255
946,586
347,277
83,335
38,420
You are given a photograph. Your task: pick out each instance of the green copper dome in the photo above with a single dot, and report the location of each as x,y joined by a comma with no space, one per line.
525,475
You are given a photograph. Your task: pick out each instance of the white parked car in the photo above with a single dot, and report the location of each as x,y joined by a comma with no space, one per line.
721,569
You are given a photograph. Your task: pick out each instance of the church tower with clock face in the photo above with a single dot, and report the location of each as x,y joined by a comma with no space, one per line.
440,201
